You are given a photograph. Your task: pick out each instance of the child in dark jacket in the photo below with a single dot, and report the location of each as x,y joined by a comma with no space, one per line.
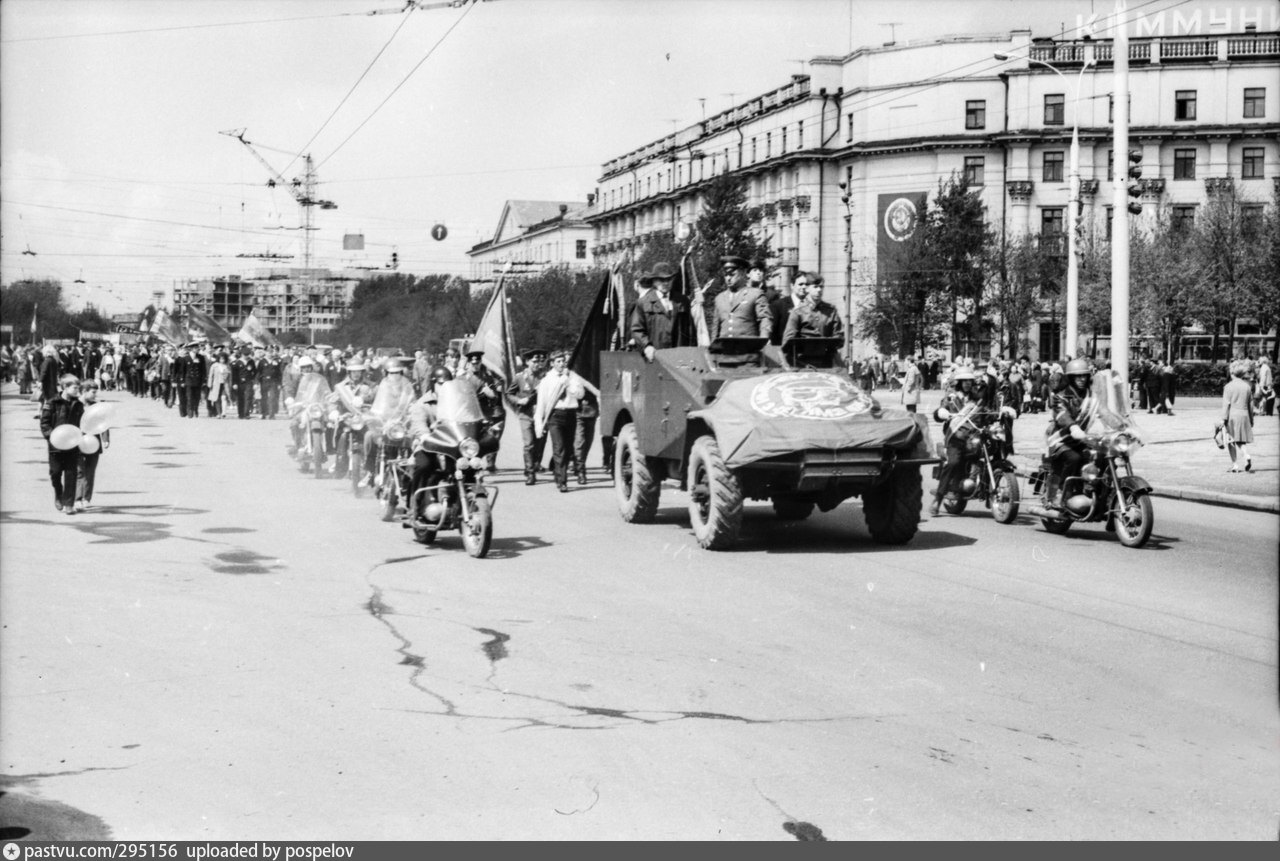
88,462
63,409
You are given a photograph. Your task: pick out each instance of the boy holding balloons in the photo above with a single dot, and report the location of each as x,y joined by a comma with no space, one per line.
60,424
92,445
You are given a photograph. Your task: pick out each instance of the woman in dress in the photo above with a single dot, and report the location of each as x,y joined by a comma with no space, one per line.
1237,417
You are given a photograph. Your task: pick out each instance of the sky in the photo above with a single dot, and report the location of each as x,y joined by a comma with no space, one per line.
116,181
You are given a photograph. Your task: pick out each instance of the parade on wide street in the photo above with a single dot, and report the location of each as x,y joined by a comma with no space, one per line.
887,454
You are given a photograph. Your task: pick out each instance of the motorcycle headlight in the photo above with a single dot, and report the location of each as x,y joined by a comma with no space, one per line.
396,432
477,463
1089,472
334,415
469,447
974,443
355,423
316,411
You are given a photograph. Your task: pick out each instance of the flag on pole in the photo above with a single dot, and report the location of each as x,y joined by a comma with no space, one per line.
493,335
604,329
146,319
167,329
203,327
253,332
33,320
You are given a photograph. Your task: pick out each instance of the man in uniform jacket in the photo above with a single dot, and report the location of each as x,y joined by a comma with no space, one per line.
740,311
813,318
655,315
267,370
523,396
243,372
190,376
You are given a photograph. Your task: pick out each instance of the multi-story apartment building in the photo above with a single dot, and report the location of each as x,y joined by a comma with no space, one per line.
533,236
283,300
836,160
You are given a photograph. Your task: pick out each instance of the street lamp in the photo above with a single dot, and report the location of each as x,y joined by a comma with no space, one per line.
1073,204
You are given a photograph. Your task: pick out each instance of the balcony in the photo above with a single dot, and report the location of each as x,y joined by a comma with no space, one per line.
1253,46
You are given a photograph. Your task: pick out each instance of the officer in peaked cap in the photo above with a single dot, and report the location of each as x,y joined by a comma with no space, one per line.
523,397
740,310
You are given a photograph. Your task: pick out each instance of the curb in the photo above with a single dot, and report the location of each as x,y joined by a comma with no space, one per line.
1226,500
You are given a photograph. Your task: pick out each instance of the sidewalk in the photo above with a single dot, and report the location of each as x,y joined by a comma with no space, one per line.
1178,458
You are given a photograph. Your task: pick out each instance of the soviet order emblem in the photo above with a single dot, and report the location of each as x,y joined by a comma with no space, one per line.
822,397
900,219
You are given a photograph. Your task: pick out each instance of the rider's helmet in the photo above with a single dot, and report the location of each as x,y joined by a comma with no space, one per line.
961,375
1078,372
356,368
306,364
440,375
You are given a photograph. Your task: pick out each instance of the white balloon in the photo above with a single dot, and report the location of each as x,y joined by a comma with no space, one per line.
97,418
90,444
65,437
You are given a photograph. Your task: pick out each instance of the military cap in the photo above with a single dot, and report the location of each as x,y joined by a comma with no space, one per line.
535,353
660,271
735,260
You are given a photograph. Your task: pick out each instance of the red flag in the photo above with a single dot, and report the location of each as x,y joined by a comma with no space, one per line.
33,319
200,324
167,328
253,332
493,335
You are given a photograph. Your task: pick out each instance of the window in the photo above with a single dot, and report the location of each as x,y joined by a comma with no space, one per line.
768,144
753,150
1111,108
1053,166
783,145
1111,166
1184,105
1255,102
800,135
1054,109
1110,212
580,249
1052,220
1184,164
679,174
1251,220
1252,163
849,136
974,166
975,114
1183,217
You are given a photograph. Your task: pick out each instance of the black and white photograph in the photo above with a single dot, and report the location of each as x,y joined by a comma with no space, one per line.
575,421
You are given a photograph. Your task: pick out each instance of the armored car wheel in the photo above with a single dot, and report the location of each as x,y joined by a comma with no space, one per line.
715,497
788,508
633,482
892,510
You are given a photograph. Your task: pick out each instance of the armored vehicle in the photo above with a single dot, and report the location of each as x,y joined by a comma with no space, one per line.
738,420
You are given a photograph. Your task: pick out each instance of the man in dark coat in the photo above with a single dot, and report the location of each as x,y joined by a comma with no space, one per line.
523,396
189,376
50,372
243,372
655,315
781,306
268,370
1168,388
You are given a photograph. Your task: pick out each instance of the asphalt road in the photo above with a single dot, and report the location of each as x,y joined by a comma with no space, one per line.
228,649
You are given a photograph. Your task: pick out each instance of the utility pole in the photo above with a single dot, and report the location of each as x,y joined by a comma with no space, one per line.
848,274
1120,211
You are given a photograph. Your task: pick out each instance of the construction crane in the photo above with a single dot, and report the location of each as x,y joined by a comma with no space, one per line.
303,190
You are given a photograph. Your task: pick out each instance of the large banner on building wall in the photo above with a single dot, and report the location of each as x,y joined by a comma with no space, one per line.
897,218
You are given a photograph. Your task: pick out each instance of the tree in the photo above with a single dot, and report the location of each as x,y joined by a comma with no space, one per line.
1094,302
1226,256
725,225
906,311
1024,272
21,300
960,243
1168,288
549,310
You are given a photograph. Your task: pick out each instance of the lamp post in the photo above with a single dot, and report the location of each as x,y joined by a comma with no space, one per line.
1073,204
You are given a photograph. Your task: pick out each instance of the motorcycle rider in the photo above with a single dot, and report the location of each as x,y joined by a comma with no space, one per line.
394,375
308,378
353,391
488,391
967,404
422,418
1073,408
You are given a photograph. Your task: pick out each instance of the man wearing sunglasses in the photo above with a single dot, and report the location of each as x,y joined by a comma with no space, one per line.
740,310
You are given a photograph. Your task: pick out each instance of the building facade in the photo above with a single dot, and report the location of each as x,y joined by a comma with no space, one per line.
836,160
533,236
283,300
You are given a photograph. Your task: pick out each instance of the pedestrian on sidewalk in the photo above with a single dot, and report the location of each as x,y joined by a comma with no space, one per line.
64,408
1237,417
87,464
1168,388
1266,387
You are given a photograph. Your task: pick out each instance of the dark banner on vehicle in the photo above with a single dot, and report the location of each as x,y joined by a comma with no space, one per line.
897,218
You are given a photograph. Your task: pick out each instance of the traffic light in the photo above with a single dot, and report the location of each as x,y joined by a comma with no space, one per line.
395,260
1079,229
1132,186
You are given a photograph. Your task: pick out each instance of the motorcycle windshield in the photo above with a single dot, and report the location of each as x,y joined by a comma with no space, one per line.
393,397
348,398
312,389
457,402
1112,398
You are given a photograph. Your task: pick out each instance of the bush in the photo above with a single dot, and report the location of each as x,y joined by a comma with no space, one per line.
1201,379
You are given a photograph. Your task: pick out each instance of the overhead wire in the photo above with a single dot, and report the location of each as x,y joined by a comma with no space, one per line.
397,87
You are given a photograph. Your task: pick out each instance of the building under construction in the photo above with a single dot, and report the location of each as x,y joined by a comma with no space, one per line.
283,300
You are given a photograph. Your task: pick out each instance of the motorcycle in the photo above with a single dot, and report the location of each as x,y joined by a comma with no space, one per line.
349,421
1107,488
308,415
388,419
460,499
991,477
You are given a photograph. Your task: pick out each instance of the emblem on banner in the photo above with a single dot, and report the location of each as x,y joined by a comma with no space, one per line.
820,397
900,219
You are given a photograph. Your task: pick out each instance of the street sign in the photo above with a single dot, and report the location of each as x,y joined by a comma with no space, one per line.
439,232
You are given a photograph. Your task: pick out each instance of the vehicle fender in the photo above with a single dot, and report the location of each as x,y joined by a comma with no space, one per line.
1135,484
